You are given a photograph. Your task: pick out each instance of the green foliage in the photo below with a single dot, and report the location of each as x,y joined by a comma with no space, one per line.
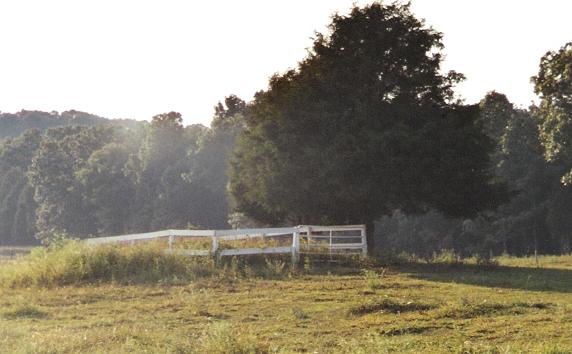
59,240
534,219
210,162
12,125
554,86
108,188
17,206
362,126
62,206
116,178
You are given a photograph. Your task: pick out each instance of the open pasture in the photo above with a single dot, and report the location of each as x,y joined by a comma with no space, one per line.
320,308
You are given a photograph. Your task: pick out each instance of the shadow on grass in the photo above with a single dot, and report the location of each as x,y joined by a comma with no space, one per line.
532,279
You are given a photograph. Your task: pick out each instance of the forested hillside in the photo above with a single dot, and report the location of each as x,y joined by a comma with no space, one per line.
14,124
112,178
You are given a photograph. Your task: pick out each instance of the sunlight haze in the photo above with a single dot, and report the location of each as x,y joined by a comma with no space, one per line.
135,59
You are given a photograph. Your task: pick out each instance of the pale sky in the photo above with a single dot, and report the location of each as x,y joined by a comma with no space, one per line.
138,58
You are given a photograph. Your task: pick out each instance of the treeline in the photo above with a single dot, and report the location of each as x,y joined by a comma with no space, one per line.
114,178
14,124
365,129
537,217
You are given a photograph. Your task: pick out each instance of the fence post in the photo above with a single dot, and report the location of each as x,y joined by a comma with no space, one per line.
215,246
295,248
330,244
363,241
171,241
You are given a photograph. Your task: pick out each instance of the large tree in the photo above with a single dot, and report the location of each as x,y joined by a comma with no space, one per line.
17,207
554,86
208,175
364,125
61,198
108,188
160,165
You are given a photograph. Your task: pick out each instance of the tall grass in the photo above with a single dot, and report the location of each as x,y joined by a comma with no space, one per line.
75,263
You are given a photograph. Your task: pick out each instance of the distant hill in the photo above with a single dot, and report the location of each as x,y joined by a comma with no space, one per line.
14,124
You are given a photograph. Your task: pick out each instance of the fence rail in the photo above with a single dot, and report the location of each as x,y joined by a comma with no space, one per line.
305,239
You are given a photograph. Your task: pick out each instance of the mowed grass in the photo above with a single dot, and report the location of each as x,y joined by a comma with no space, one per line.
319,308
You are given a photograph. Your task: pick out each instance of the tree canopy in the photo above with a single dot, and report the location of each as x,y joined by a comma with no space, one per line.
112,179
364,125
554,86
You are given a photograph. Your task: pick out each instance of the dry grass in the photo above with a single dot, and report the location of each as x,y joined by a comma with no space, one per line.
323,308
11,253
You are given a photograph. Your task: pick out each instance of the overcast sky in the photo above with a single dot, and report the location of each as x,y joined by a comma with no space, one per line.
135,59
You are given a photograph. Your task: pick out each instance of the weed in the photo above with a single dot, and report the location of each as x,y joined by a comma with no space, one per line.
274,267
372,279
299,314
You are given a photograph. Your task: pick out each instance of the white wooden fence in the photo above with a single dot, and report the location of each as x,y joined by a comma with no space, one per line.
304,239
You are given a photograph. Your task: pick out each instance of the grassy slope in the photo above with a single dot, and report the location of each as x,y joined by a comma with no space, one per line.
416,308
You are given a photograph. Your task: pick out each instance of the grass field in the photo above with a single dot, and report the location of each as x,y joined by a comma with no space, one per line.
422,307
